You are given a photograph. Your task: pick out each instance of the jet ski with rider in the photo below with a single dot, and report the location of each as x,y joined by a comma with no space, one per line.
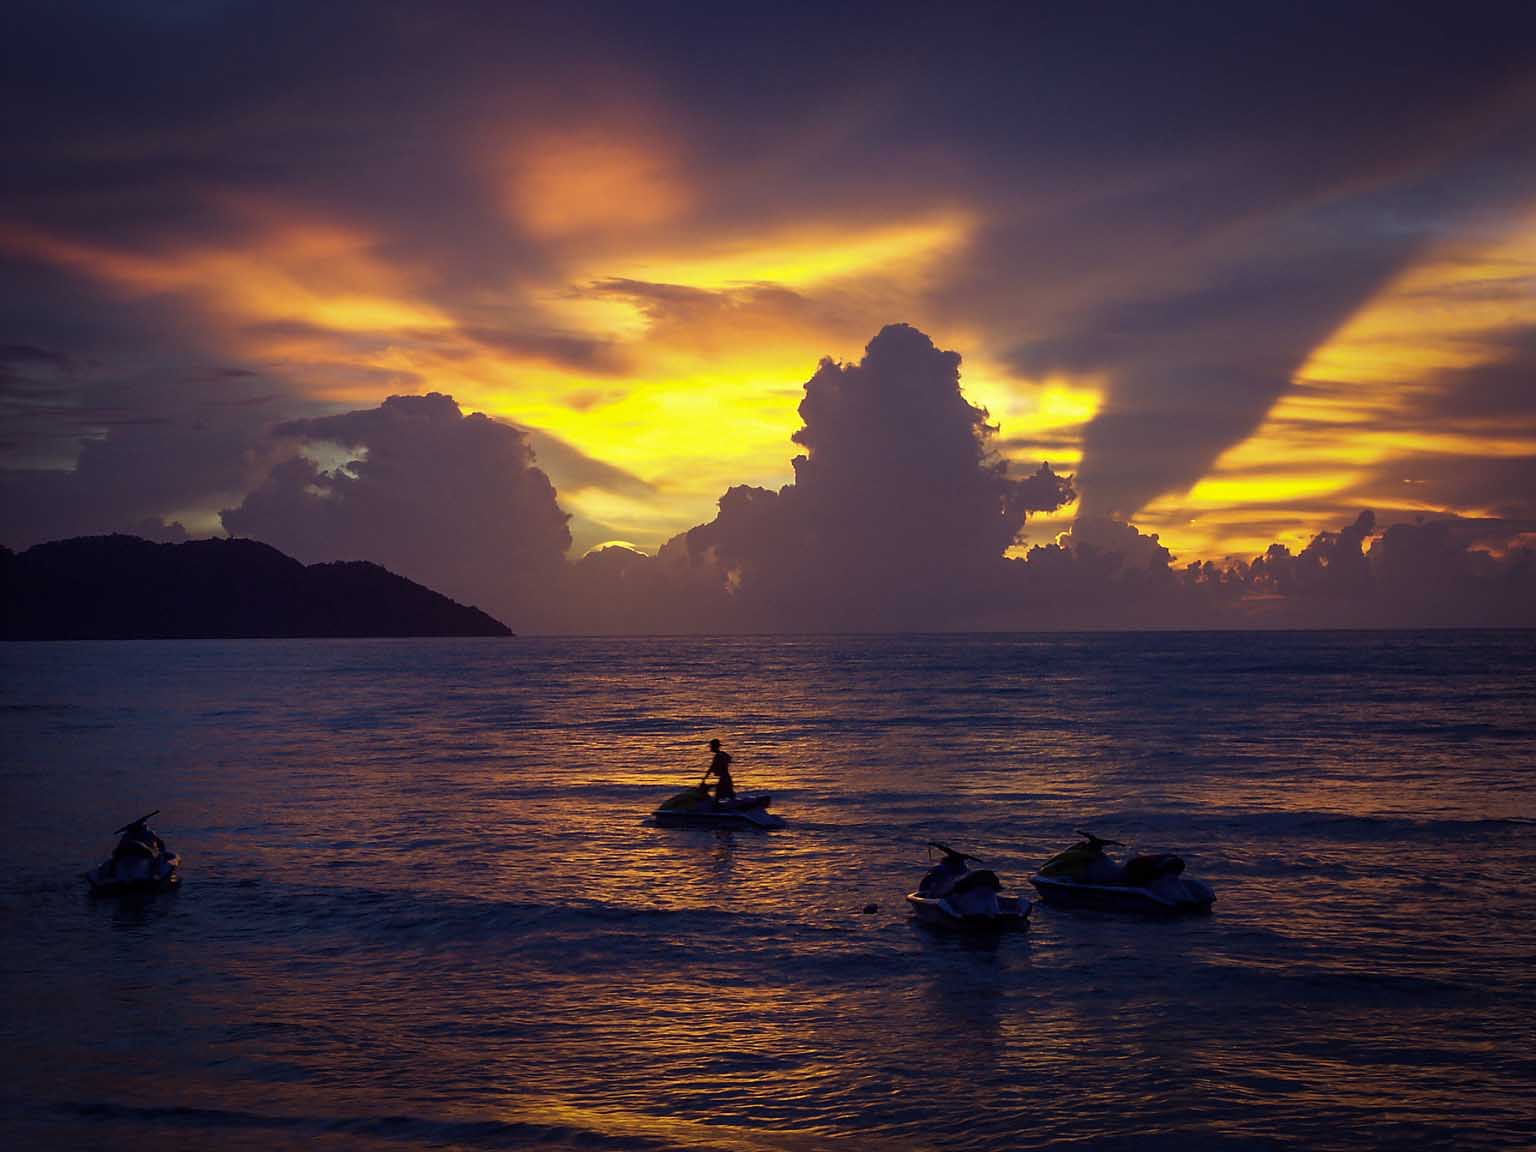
726,808
139,863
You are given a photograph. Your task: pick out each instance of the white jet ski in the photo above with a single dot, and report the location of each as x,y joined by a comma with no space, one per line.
696,808
140,863
1085,876
954,895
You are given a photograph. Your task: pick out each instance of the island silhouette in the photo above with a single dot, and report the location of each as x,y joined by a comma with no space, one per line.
126,588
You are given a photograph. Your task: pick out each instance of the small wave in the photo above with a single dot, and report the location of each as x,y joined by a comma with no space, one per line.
417,918
1352,986
1221,824
1409,828
405,1129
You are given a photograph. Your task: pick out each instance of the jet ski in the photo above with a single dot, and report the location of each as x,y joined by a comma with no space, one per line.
696,808
1085,876
140,863
953,894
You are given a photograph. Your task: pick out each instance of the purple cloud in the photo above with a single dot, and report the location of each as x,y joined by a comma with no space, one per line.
452,501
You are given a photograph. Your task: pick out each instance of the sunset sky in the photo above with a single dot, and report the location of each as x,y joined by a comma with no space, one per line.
1240,273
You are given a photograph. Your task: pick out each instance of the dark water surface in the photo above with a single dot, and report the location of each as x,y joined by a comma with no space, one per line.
422,908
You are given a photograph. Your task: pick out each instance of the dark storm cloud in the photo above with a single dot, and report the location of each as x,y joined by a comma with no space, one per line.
1506,488
131,416
1489,404
451,501
1197,333
1438,573
591,355
137,475
676,304
1500,391
1210,210
616,591
1194,373
95,450
1427,574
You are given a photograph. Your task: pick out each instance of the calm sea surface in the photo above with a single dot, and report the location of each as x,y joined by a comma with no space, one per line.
423,908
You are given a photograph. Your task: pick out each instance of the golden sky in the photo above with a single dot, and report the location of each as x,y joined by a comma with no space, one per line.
694,388
645,279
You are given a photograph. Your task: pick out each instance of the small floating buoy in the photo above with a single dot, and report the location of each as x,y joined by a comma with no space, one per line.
871,909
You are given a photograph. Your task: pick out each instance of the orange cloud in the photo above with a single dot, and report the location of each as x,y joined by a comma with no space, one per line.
581,182
300,272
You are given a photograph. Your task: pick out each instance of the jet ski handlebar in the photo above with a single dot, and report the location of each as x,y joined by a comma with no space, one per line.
136,823
948,851
1096,843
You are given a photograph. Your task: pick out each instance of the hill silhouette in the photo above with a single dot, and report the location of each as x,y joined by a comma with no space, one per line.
123,588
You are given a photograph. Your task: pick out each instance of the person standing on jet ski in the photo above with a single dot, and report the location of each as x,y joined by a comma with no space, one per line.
138,842
720,767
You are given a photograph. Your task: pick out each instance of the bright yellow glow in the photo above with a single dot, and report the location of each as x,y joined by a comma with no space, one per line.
1372,397
1364,446
804,258
1037,419
1060,405
1251,488
1430,318
1057,410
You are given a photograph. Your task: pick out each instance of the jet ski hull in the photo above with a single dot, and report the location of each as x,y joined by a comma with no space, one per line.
746,812
1171,896
105,879
1013,912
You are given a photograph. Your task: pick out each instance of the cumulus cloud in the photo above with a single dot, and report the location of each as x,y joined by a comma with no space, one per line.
617,590
87,458
452,501
1440,573
899,514
1331,574
1431,575
900,517
1106,534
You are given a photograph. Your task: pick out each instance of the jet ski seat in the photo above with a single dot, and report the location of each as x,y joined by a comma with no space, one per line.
1143,870
981,880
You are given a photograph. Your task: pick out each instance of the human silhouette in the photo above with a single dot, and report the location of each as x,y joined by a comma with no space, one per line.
720,767
138,842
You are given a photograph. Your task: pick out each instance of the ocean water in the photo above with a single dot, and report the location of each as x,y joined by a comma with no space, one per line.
423,909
